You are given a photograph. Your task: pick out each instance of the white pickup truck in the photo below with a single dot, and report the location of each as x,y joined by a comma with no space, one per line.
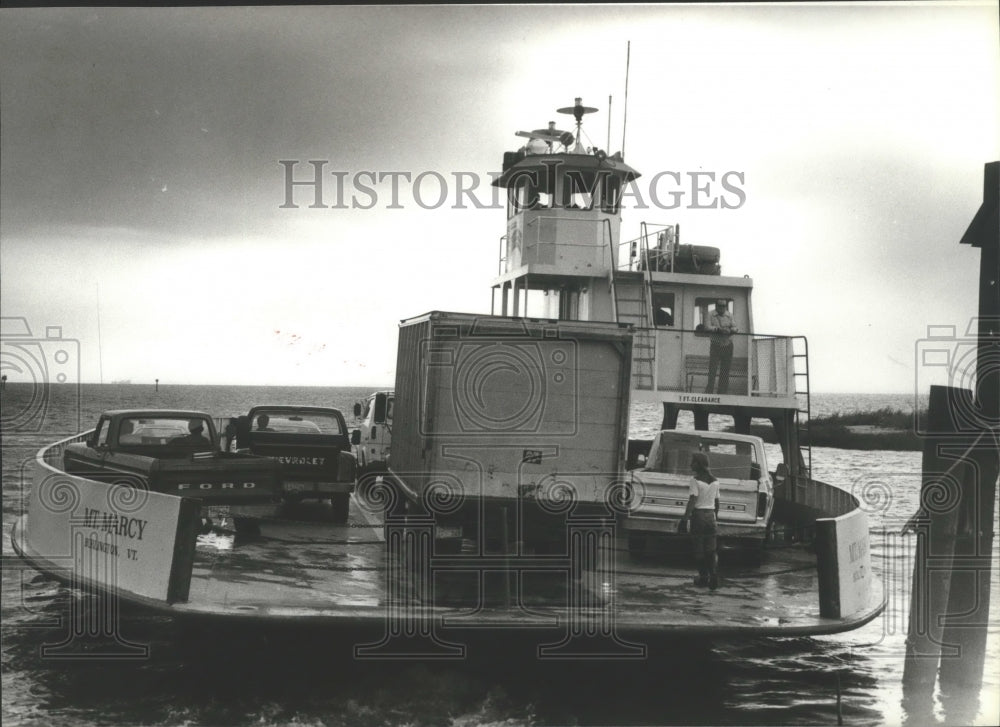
660,488
373,438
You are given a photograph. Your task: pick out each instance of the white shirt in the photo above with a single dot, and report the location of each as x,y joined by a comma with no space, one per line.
706,492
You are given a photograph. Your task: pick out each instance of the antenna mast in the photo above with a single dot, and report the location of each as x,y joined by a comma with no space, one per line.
578,110
608,147
628,58
100,352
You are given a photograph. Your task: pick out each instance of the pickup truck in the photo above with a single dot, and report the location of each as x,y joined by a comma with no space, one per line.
177,452
660,488
312,447
374,436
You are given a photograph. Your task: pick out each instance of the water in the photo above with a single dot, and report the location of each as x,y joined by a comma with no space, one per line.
214,677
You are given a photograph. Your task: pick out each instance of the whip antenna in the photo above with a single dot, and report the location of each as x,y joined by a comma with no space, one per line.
608,147
100,348
628,57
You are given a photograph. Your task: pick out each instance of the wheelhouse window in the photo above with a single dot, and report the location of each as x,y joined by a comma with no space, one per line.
663,310
574,189
704,307
611,194
580,191
521,195
528,192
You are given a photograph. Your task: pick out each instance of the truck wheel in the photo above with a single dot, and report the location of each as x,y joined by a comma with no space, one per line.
246,527
340,506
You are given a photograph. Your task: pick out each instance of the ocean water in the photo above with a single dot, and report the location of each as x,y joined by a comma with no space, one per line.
199,677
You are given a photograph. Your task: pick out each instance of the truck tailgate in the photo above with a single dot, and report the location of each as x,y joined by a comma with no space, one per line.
220,478
312,462
664,495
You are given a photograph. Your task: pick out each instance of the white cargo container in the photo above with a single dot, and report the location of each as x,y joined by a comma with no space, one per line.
521,415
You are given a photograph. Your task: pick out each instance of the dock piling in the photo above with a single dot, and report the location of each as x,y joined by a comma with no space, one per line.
952,571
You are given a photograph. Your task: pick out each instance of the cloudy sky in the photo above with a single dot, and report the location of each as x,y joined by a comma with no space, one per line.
141,171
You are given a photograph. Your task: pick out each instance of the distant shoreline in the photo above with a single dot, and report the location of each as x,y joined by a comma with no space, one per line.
886,428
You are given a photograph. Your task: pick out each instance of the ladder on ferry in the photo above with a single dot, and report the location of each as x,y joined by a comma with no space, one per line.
800,378
634,307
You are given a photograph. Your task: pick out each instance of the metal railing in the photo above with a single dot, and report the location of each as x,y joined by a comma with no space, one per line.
761,365
51,455
646,252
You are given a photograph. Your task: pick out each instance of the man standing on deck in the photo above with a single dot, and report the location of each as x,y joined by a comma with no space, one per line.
702,509
720,352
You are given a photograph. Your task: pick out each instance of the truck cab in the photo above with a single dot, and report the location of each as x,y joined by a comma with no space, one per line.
177,453
312,447
374,435
660,485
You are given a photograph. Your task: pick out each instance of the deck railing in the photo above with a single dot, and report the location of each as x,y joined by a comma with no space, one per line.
51,455
651,249
761,364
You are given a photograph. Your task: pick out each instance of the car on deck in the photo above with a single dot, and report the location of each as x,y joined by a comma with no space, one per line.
312,447
178,453
660,488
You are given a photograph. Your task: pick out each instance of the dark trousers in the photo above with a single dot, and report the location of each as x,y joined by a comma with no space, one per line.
703,534
720,358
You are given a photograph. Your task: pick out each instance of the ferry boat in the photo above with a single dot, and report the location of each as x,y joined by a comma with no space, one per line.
392,576
563,250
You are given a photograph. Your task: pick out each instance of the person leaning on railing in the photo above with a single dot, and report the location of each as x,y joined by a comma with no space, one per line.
720,352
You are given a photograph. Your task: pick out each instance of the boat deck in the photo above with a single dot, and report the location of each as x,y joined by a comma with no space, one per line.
306,571
312,571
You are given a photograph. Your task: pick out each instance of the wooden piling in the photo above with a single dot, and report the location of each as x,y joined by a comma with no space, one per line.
949,609
968,606
941,495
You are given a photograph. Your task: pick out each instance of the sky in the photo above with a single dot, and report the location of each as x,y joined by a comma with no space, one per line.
144,209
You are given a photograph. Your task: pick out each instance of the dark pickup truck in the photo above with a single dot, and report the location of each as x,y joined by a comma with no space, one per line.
312,446
178,453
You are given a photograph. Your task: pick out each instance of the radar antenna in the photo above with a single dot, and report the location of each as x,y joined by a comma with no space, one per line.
550,135
577,110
